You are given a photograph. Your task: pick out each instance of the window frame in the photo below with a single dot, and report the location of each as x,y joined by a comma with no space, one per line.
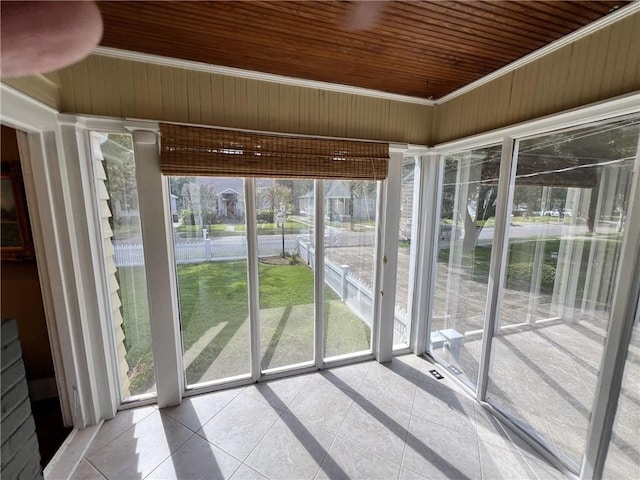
627,282
55,145
162,277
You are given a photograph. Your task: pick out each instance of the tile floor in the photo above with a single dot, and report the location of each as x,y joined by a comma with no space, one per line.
392,421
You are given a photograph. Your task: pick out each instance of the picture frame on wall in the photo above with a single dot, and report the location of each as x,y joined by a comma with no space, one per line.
15,236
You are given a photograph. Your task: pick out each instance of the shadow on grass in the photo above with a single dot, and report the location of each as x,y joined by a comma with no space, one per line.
211,352
275,338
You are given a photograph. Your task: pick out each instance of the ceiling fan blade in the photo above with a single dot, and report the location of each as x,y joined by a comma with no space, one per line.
364,15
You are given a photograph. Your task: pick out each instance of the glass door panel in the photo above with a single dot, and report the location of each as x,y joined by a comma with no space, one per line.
565,234
623,459
120,214
406,251
465,241
285,221
210,250
349,241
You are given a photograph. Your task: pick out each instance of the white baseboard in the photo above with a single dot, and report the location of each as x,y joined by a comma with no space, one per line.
66,460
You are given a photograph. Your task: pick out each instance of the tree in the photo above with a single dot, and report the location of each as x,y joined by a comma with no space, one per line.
592,150
275,195
120,170
176,184
201,200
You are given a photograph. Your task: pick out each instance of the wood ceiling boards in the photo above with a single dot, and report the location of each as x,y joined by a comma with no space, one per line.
421,49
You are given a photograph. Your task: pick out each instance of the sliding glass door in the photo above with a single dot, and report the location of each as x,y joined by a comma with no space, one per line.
523,317
564,243
465,244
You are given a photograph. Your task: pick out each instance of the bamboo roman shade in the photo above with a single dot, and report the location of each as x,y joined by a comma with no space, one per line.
215,152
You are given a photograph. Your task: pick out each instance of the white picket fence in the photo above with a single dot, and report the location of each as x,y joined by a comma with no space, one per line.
354,291
131,254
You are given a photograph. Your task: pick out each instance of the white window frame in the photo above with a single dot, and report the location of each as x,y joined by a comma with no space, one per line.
627,291
162,281
61,200
59,195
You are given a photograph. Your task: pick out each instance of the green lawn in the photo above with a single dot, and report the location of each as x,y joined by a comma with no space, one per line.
521,256
213,303
216,230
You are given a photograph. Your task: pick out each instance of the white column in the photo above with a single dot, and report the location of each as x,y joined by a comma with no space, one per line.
252,276
318,271
155,213
426,221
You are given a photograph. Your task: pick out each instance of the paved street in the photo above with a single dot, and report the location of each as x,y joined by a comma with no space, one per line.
356,249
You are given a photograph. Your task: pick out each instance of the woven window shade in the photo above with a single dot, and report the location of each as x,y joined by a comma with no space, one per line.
214,152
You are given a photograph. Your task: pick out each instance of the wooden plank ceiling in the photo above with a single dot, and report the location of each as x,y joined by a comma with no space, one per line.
423,49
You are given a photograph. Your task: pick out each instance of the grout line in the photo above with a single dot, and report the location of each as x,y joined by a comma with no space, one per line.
236,469
202,425
171,452
475,421
406,438
133,425
260,440
324,460
96,468
353,400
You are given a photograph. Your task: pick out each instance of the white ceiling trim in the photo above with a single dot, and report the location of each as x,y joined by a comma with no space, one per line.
587,30
593,27
253,75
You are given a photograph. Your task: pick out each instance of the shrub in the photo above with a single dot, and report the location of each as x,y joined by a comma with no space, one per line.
519,276
265,216
187,216
548,277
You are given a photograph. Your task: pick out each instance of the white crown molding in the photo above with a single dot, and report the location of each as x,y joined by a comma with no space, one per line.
593,27
21,111
253,75
628,104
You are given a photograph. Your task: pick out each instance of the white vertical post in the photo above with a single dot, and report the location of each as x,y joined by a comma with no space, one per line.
388,270
430,170
378,255
413,249
157,236
318,271
40,169
252,276
498,267
344,291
